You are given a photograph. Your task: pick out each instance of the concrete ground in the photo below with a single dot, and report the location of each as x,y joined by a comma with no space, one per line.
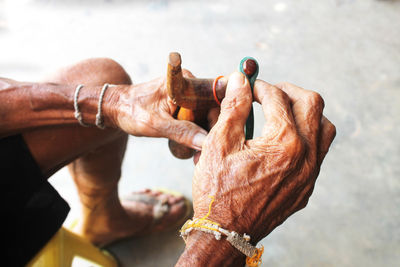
348,50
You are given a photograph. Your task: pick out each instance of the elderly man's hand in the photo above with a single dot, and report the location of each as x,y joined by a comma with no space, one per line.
259,183
146,110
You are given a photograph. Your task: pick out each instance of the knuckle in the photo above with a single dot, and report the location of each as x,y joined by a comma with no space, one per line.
236,104
316,100
332,130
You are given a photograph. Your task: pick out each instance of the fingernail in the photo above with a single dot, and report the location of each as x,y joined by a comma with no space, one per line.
236,80
198,140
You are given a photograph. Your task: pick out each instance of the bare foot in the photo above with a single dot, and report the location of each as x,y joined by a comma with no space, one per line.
109,220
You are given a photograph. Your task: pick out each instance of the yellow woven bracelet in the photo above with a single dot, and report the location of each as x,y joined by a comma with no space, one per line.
241,243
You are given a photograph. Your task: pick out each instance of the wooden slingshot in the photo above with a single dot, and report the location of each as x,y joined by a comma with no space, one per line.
195,97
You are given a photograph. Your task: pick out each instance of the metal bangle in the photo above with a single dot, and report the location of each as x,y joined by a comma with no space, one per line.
99,116
78,114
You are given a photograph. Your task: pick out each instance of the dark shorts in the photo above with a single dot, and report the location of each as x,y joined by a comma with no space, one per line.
32,210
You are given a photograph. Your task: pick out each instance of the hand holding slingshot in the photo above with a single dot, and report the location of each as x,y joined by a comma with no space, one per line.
195,97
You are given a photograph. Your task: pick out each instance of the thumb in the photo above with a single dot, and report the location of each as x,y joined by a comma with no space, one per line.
235,107
186,133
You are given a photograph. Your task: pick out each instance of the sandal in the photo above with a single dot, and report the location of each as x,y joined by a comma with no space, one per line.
161,210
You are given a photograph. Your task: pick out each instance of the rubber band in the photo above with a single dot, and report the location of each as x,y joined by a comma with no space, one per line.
214,90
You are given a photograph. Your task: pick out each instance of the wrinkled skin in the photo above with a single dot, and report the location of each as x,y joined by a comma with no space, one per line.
152,111
259,183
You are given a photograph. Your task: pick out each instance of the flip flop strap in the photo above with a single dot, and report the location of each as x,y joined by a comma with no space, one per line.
160,208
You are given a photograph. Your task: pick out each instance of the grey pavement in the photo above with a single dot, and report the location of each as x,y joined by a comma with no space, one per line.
347,50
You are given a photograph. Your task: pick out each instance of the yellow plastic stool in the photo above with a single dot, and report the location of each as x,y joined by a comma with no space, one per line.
67,249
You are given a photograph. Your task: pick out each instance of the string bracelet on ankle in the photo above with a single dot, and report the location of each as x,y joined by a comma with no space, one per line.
242,243
99,116
78,114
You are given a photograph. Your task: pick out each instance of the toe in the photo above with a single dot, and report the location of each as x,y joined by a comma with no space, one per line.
175,199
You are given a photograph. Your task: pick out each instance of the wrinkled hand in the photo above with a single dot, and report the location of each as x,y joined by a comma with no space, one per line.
146,110
259,183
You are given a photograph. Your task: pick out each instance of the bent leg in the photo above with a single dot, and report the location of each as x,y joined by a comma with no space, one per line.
94,157
54,147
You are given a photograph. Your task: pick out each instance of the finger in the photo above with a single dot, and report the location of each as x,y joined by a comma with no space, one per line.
326,136
235,107
183,132
212,117
228,132
307,107
276,107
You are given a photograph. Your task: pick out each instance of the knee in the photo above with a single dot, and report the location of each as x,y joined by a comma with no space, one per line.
106,70
95,71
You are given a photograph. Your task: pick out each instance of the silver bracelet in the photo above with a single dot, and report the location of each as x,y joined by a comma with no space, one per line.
99,116
78,114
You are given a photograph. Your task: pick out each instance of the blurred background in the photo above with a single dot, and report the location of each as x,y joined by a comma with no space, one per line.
347,50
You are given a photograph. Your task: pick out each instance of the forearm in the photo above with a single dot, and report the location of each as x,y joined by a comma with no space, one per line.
202,249
29,105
